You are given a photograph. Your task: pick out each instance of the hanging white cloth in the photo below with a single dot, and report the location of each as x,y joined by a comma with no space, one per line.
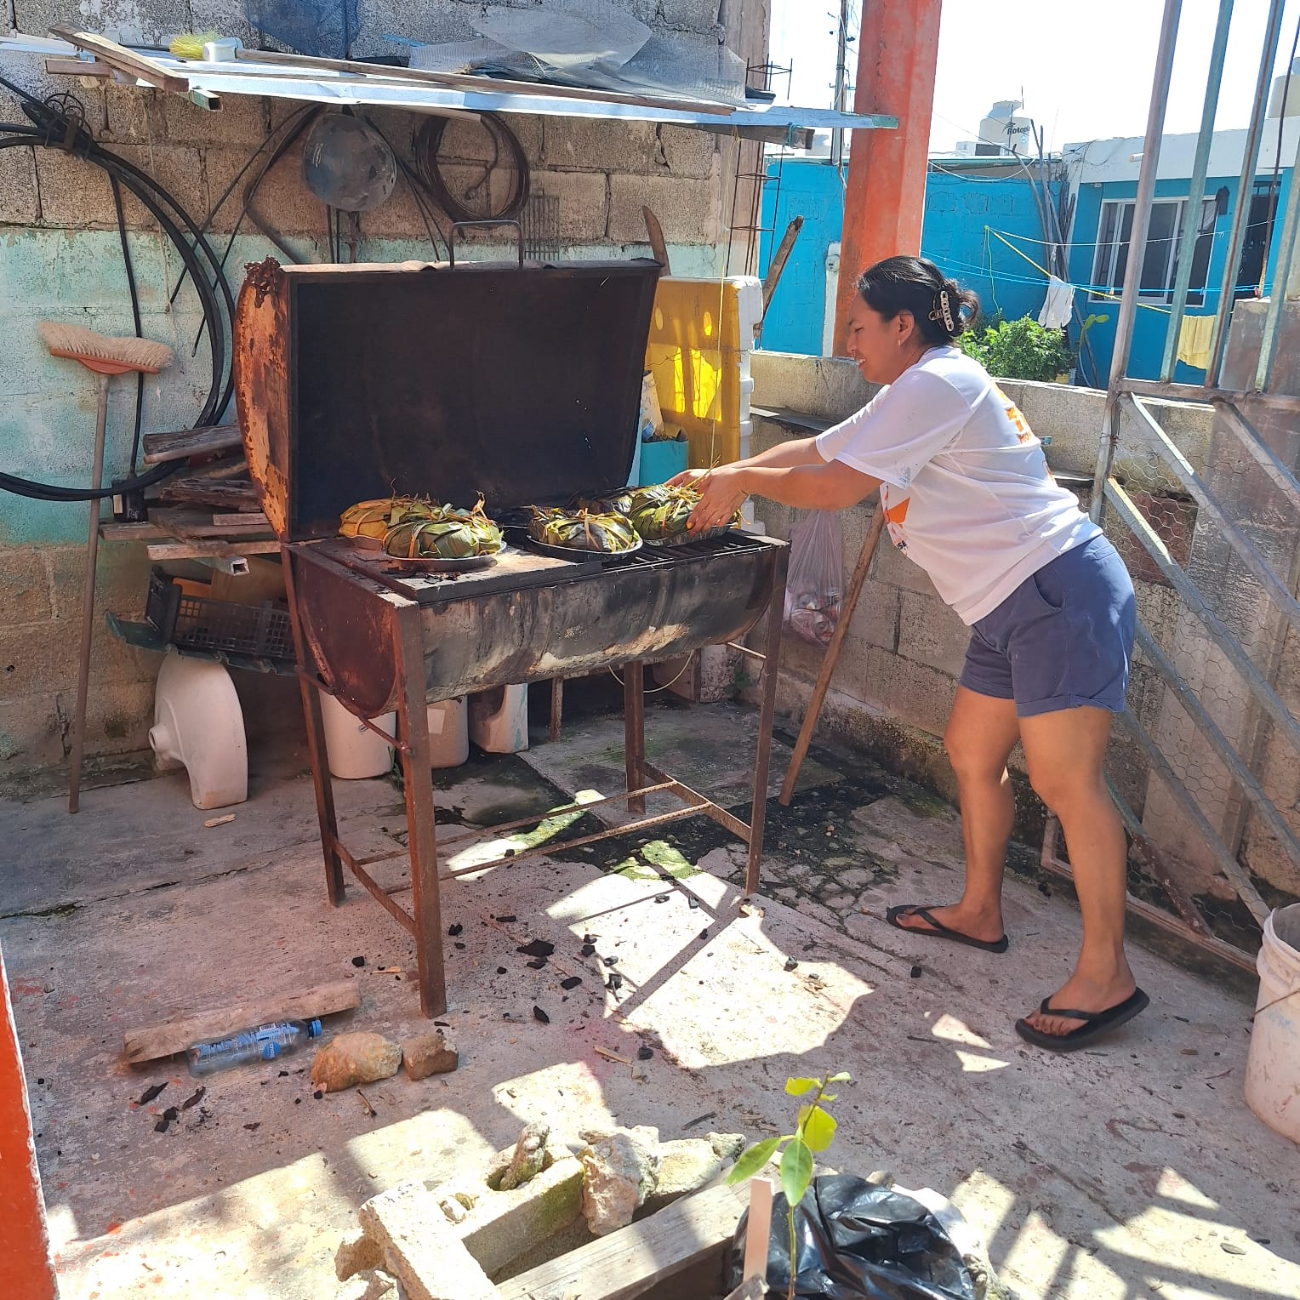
1058,305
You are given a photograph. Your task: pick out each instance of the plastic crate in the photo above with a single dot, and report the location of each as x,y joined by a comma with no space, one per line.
196,623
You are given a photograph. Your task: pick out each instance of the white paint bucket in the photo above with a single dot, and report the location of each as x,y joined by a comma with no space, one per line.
1273,1065
353,750
498,719
448,733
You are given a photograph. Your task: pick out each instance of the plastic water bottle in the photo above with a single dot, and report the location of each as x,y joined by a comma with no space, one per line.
265,1043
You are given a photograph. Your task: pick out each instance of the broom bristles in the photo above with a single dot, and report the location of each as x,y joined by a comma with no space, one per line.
86,346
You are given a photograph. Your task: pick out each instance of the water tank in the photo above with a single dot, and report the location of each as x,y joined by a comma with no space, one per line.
1006,131
1292,93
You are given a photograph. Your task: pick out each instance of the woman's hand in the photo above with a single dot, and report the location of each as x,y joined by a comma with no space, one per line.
722,492
688,478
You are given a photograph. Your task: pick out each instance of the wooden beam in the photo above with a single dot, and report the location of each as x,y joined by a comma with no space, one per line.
202,550
166,1037
118,56
231,494
79,67
184,443
625,1263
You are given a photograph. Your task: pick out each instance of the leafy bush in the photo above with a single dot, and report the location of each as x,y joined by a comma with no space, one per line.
1019,349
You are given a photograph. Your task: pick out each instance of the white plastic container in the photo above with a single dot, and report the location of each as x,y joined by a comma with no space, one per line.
448,733
1273,1064
498,719
351,748
198,725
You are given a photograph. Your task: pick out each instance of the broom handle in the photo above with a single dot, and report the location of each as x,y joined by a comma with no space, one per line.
88,598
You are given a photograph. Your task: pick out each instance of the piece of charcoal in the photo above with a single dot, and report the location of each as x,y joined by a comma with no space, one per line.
790,963
541,1016
505,920
461,946
588,949
644,1054
692,901
284,1074
537,963
168,1116
704,934
588,938
509,853
318,1094
538,948
194,1100
611,961
150,1093
916,972
615,981
454,930
572,982
358,961
1043,889
446,1024
501,970
252,1128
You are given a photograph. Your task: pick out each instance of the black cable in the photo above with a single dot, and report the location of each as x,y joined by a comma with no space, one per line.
135,316
428,141
55,128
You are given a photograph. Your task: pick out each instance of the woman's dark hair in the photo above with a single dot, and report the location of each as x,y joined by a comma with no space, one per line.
915,285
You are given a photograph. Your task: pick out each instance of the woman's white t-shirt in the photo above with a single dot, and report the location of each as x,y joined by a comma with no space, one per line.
964,483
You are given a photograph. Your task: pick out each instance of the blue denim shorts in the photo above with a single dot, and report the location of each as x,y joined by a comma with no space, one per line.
1063,639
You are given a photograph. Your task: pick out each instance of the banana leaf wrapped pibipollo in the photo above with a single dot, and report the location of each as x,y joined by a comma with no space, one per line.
583,530
414,529
619,503
663,511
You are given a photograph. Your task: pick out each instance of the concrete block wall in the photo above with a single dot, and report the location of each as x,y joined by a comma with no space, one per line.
60,258
899,663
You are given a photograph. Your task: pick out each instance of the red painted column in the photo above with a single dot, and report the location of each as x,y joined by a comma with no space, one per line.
898,51
25,1270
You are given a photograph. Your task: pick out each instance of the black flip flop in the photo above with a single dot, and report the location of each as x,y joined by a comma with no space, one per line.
940,930
1095,1023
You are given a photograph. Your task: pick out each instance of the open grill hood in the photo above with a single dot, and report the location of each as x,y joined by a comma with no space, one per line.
519,381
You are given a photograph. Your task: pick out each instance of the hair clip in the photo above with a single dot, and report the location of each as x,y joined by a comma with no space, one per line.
943,312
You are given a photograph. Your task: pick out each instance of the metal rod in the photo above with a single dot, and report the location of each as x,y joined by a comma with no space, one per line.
634,729
1281,275
1156,860
632,828
771,671
745,650
557,707
326,689
698,800
1050,862
1190,593
1227,864
1246,550
1132,289
1222,746
1245,189
88,600
1196,190
1267,459
492,832
371,884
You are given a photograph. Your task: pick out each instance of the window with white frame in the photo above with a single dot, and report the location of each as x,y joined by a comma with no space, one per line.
1159,266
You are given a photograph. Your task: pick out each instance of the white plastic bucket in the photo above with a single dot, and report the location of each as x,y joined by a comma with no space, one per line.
498,719
353,750
448,733
1273,1065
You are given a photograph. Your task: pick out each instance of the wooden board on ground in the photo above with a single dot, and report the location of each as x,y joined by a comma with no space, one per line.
184,443
629,1262
166,1037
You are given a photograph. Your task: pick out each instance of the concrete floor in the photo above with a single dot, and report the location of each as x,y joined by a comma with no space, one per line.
1131,1170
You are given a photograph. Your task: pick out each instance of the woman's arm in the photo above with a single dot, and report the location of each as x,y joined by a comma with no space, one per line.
801,451
825,485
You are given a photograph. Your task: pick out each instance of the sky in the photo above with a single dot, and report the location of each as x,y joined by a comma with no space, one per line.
1082,67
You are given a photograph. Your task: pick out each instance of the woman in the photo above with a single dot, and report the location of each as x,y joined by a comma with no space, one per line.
967,494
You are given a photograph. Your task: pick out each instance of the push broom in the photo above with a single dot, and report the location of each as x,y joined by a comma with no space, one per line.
105,356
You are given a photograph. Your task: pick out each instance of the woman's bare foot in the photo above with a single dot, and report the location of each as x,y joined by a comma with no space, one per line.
1091,991
974,923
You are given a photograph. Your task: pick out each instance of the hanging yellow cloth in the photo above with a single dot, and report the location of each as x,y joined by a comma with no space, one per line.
1194,341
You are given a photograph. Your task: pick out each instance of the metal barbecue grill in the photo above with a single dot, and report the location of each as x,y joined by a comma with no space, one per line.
521,381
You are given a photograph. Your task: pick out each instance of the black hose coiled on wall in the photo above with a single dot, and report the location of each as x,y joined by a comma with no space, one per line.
55,129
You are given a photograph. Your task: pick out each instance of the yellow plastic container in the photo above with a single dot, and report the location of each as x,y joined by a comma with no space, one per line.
701,337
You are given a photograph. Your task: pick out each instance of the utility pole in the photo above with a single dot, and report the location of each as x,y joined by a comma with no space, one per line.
841,83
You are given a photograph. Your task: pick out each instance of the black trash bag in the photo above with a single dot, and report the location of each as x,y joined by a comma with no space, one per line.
857,1241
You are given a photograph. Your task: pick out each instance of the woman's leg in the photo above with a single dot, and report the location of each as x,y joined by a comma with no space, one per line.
979,738
1064,752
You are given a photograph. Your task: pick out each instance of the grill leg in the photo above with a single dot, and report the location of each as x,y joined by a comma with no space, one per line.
320,772
413,729
634,731
557,707
771,668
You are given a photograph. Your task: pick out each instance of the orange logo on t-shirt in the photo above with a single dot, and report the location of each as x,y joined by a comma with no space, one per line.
894,516
1023,431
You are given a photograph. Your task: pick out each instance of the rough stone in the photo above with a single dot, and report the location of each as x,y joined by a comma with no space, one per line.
421,1249
690,211
73,192
685,1166
616,146
931,633
529,1158
583,203
688,152
242,120
619,1173
428,1054
19,205
31,732
26,584
352,1059
356,1256
727,1145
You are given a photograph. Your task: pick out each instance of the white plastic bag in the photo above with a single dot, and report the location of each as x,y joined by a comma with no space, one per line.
815,586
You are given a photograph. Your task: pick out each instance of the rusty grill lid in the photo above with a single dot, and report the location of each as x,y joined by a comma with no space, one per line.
522,383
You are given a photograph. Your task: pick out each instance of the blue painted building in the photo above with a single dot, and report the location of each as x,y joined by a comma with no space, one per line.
982,225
